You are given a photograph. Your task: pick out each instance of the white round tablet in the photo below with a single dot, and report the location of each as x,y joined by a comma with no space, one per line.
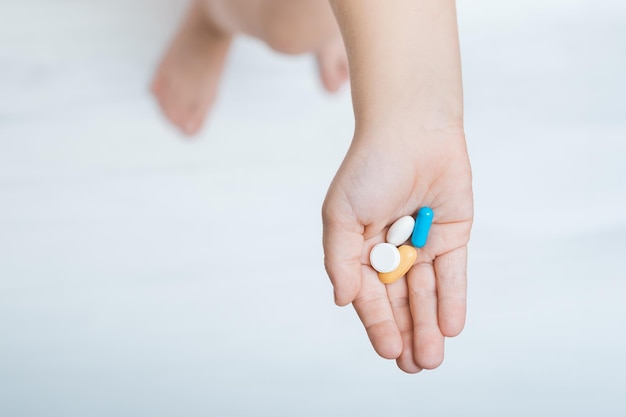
401,230
385,257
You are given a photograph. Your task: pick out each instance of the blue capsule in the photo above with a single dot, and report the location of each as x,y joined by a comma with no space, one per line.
422,227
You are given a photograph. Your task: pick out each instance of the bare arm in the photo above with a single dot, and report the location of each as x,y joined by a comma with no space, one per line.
408,151
404,55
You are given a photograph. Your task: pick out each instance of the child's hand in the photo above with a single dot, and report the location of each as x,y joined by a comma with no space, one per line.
383,178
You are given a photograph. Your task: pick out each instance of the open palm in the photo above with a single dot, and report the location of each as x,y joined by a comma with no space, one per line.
378,182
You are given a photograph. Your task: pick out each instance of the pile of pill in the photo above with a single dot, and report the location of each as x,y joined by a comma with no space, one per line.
392,259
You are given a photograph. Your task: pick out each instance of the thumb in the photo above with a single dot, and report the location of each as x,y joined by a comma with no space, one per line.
343,244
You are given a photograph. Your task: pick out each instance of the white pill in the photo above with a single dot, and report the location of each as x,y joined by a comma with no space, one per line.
385,257
400,231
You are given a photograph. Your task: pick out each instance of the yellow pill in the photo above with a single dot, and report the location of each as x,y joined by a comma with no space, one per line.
408,255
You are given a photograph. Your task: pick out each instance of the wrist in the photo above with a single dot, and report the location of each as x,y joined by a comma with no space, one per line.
436,116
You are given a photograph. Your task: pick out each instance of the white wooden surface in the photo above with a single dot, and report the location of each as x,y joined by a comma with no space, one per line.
120,295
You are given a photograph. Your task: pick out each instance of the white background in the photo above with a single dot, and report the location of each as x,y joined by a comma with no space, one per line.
145,275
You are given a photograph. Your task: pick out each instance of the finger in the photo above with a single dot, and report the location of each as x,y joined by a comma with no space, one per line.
451,270
445,236
374,310
427,338
343,243
398,295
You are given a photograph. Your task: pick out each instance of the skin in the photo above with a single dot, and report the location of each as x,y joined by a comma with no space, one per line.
376,185
408,149
187,79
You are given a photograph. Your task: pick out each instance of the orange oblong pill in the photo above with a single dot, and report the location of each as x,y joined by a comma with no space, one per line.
408,255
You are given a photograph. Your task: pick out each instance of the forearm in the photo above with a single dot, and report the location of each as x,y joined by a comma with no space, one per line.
404,59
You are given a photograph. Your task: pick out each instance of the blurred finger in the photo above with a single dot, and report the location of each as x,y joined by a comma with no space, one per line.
451,271
428,342
374,310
